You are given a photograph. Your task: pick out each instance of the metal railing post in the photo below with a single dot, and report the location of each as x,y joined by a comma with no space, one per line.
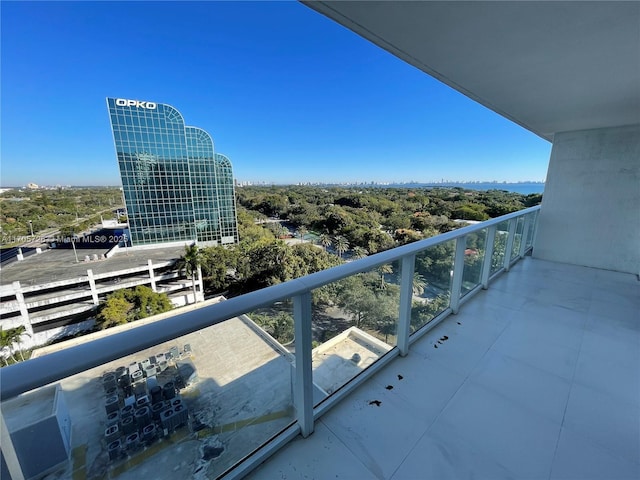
303,387
488,255
152,276
406,297
458,269
513,223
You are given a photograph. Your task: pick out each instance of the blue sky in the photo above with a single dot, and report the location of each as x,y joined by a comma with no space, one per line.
288,95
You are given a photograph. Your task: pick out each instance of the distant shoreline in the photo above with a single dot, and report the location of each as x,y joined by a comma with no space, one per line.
524,188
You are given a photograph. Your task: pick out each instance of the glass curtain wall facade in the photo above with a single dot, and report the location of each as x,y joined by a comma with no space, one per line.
176,189
226,199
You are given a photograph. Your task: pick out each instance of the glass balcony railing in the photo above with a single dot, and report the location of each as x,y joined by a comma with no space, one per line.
474,254
499,246
432,274
213,391
354,323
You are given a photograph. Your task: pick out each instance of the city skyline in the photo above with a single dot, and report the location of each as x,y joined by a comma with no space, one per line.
293,97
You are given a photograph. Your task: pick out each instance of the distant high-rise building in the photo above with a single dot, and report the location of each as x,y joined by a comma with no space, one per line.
176,189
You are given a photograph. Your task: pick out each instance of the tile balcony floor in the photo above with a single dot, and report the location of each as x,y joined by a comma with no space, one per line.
539,378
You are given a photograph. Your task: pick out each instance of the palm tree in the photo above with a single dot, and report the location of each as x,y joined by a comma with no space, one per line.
6,342
20,331
8,338
190,262
359,252
419,284
383,270
342,245
302,231
325,240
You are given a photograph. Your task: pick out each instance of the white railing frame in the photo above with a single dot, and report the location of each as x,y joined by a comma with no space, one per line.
35,373
303,386
406,297
458,269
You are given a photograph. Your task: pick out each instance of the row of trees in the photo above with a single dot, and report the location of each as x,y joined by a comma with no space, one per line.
349,223
394,206
370,301
377,219
70,210
370,220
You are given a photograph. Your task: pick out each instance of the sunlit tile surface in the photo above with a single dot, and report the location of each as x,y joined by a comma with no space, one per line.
539,377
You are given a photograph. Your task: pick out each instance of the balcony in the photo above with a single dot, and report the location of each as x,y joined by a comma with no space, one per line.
535,377
539,377
529,377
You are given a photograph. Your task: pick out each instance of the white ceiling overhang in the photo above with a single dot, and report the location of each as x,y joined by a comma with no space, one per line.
549,66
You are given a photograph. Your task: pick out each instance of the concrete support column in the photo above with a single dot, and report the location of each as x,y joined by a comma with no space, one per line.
92,285
24,313
200,294
152,276
589,214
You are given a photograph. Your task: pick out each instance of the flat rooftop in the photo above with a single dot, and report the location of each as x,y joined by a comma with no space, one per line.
341,358
537,377
241,398
60,264
24,410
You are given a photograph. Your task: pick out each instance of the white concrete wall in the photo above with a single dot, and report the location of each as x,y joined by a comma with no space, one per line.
590,212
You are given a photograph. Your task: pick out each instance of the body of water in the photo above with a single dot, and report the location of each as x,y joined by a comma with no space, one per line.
523,188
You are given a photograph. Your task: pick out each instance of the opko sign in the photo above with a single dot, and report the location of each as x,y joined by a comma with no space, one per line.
122,102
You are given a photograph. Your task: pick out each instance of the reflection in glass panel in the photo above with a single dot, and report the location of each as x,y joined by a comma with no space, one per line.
277,321
188,408
499,246
473,259
355,322
432,283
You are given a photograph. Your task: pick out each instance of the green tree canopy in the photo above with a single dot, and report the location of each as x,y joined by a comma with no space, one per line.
128,305
217,263
279,325
115,310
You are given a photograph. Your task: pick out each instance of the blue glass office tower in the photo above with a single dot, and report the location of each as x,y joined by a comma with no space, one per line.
176,188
